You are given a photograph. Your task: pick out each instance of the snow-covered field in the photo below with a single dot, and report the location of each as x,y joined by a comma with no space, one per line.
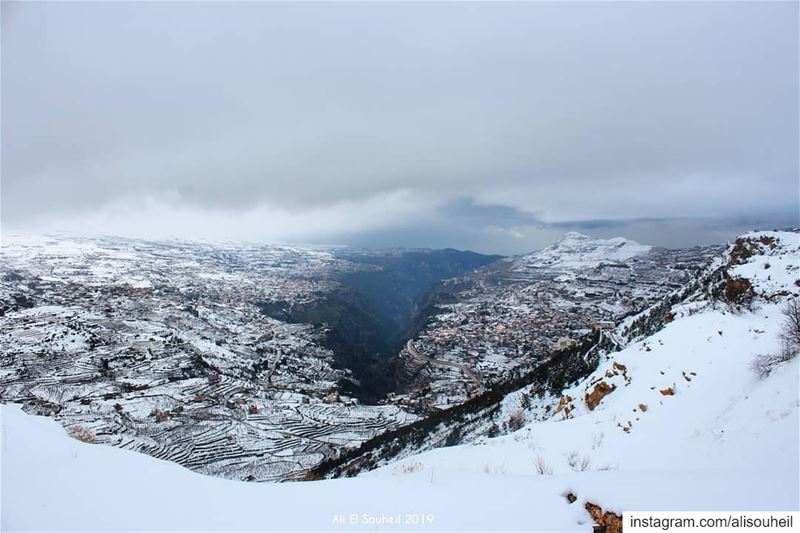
684,424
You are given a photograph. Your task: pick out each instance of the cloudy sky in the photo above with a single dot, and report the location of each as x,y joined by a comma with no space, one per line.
490,126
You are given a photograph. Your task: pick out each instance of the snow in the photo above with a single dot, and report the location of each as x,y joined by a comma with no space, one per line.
575,251
723,429
697,450
52,482
777,267
723,440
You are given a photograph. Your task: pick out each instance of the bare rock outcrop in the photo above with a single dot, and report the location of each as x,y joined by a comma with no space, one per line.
601,390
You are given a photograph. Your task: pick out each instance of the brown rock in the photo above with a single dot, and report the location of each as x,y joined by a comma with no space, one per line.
667,392
600,391
611,521
737,290
643,407
564,404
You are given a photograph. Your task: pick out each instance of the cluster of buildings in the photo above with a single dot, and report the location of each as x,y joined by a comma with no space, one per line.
161,348
516,315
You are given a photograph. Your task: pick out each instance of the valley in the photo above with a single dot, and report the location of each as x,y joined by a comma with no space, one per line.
376,309
666,405
263,363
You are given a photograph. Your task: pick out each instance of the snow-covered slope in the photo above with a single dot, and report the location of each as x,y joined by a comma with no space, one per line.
575,251
715,424
674,421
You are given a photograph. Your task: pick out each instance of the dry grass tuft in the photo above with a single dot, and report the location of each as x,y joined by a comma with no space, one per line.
542,468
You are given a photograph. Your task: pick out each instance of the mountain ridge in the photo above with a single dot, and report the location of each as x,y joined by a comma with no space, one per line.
671,418
576,251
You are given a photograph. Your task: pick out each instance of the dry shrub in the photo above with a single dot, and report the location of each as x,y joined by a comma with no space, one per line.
764,364
410,468
515,421
605,468
494,470
790,330
578,464
542,468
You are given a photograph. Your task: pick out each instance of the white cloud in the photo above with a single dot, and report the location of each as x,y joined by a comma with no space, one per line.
312,121
163,218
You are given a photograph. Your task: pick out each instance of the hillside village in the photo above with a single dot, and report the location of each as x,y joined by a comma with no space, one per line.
522,310
162,348
675,419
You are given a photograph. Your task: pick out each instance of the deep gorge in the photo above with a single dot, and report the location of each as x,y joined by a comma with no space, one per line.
377,309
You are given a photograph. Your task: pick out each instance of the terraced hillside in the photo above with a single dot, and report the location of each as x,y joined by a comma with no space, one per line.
254,362
161,348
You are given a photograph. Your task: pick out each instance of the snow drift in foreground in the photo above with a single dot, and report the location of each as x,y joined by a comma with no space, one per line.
683,424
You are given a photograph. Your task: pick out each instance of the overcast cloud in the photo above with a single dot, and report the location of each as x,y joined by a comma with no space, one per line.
492,126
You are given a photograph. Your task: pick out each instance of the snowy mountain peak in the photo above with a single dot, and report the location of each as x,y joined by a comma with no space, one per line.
573,236
576,251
